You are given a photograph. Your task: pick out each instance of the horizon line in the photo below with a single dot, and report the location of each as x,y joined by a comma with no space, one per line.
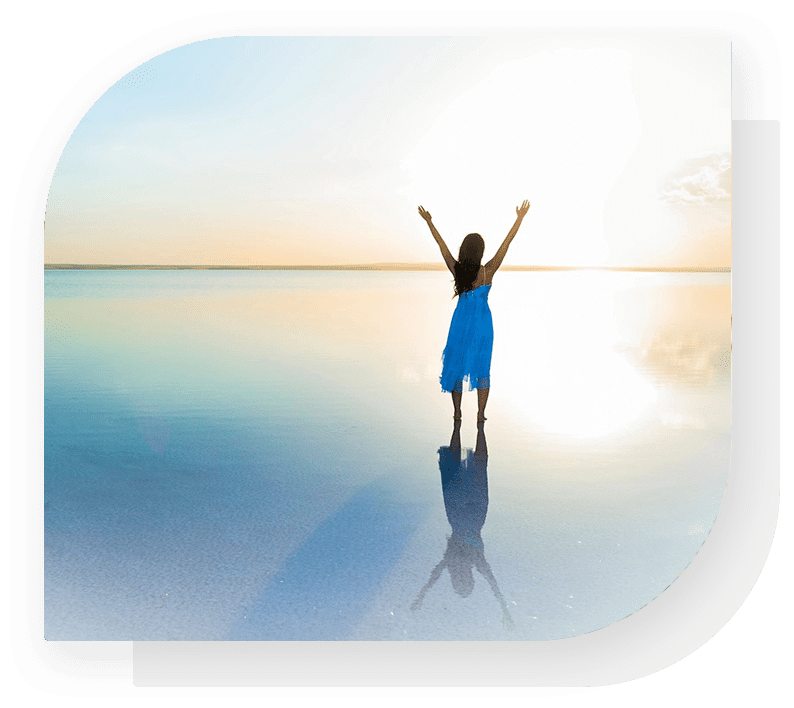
387,266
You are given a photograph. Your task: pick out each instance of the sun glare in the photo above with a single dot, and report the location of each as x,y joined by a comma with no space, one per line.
566,375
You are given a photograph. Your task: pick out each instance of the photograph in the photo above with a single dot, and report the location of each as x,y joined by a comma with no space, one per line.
280,276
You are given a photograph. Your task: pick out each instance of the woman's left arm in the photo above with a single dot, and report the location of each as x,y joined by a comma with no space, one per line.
487,573
448,259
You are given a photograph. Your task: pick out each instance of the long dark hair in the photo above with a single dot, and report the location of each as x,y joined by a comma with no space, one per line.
468,264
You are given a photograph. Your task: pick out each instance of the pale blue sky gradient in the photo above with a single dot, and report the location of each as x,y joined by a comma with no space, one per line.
311,150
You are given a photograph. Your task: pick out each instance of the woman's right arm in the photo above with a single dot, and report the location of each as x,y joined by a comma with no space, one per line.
434,575
493,265
448,259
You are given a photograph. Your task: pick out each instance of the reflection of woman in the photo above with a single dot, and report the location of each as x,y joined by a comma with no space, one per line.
465,489
467,355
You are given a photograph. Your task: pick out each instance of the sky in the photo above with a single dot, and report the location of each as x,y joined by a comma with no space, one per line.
318,151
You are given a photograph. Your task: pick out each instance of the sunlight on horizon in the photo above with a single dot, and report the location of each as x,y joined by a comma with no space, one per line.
318,150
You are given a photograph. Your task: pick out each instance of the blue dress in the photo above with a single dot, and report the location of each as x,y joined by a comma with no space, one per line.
467,356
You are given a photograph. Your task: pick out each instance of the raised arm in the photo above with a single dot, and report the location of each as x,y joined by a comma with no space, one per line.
487,573
434,575
448,259
493,265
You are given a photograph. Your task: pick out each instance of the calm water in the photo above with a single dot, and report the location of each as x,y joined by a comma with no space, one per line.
255,454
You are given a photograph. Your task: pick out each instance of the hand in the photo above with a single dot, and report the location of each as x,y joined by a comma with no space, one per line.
520,211
425,214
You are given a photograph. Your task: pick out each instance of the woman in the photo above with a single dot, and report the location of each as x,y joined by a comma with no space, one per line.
467,356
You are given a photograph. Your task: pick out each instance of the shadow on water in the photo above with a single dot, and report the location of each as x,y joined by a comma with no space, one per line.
329,582
464,484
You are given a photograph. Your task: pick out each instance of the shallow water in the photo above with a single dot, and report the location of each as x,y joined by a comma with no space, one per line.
254,454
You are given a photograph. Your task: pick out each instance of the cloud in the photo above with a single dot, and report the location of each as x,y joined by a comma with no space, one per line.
704,181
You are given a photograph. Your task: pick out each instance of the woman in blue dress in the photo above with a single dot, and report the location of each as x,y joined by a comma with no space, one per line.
467,356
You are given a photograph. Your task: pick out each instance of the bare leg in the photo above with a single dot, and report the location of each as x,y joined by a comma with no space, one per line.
454,443
456,396
481,450
482,399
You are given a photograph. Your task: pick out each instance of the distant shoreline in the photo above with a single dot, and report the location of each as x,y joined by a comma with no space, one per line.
416,267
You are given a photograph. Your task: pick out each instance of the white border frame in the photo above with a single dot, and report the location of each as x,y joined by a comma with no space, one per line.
680,620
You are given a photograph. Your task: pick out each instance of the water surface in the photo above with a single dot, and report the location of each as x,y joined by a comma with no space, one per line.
255,454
